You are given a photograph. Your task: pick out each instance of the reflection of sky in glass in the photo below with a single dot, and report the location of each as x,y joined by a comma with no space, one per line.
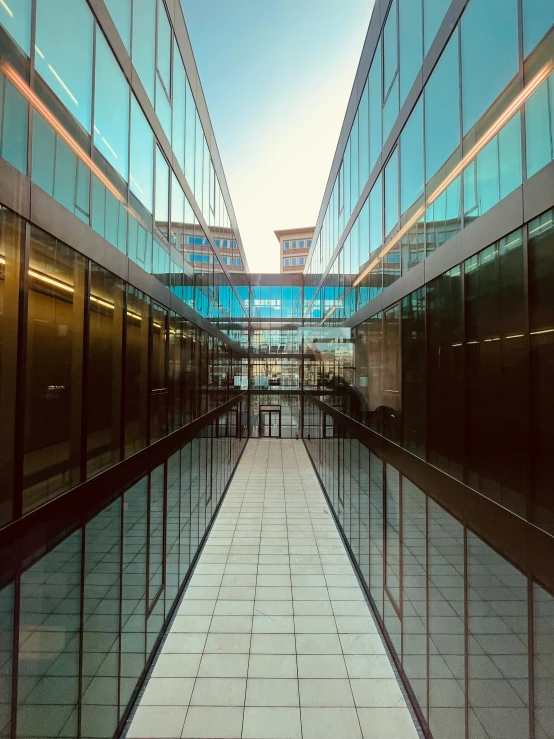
15,16
66,67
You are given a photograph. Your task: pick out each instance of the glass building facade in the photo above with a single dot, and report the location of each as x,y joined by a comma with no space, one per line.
414,356
431,272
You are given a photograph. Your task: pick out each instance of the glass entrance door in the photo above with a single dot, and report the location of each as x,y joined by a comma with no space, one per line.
270,424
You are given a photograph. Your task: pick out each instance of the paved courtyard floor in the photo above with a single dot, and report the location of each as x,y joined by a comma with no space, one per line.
273,638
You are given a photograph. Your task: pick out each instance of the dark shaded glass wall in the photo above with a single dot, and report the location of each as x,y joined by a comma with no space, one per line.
102,369
470,632
456,372
90,611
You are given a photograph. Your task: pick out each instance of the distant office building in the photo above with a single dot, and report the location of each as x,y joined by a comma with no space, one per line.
295,245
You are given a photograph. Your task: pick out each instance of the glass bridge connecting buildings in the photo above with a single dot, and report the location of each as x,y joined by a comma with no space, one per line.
159,402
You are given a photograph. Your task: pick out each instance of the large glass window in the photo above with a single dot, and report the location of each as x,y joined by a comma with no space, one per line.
490,55
16,19
433,15
120,11
162,194
111,109
376,215
363,130
66,66
142,157
53,369
14,113
104,369
391,193
136,370
411,159
179,108
375,108
163,77
538,18
442,112
539,127
411,43
144,43
190,123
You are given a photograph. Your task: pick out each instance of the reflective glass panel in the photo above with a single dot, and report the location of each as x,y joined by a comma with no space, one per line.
15,17
442,114
111,109
538,18
411,159
53,369
490,56
66,67
144,43
142,157
391,193
411,43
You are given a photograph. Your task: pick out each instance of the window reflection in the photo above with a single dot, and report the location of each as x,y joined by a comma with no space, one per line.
136,370
104,369
53,361
66,67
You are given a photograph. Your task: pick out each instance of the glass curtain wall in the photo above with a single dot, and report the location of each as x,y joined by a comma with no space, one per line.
92,610
468,630
102,369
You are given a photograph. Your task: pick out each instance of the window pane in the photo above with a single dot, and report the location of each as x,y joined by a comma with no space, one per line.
411,43
144,43
411,159
363,125
442,114
14,112
375,108
111,109
539,127
189,136
391,193
538,18
164,48
66,67
51,614
53,369
390,50
142,153
104,369
433,15
120,11
490,54
376,215
15,17
136,370
497,623
162,193
179,87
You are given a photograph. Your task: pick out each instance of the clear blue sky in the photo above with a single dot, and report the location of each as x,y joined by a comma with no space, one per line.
277,75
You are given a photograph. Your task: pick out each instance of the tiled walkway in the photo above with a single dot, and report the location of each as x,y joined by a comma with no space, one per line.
273,638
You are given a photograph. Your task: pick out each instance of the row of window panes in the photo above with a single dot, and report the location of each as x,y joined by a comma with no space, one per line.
293,261
302,244
109,588
489,62
126,159
120,371
454,609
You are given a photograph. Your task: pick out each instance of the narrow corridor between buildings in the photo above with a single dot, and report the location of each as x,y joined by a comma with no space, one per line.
273,638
